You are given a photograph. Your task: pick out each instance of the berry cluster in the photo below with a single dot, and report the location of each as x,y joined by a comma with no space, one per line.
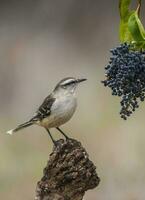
125,75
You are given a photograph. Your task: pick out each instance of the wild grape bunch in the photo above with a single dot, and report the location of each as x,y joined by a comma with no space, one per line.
125,75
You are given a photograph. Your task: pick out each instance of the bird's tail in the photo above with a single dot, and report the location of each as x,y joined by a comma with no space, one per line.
21,126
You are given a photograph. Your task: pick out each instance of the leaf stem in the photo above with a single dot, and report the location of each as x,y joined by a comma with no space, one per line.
138,7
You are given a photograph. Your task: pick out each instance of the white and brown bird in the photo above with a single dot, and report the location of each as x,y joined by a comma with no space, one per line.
56,109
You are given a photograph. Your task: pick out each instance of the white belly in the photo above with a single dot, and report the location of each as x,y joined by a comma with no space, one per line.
62,110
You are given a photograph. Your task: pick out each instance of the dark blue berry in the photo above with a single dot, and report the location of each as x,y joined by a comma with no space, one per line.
125,75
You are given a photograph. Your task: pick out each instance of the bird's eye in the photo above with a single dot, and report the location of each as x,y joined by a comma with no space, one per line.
64,86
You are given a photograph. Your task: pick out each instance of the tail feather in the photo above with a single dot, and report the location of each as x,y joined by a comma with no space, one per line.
21,126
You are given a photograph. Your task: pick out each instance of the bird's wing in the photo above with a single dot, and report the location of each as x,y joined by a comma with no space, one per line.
44,110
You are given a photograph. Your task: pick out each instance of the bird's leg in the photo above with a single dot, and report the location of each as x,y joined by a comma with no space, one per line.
62,133
54,142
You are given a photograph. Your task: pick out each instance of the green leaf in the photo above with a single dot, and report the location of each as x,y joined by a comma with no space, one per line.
124,9
125,35
136,28
140,25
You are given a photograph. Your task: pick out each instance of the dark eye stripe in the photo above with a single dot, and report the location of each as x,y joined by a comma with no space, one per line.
70,83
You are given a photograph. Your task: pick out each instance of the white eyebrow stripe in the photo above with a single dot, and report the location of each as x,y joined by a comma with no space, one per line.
67,81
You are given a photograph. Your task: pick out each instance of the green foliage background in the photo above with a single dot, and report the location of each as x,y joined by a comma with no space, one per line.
131,28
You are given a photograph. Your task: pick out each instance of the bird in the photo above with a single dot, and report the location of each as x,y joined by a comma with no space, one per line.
57,108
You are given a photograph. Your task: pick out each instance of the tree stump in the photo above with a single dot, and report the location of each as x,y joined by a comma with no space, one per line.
69,173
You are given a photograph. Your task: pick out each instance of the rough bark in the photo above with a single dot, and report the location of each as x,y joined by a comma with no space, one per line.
69,173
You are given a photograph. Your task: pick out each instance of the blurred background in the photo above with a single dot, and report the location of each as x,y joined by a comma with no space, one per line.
42,42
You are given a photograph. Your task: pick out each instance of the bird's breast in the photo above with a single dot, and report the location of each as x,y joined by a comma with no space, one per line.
61,111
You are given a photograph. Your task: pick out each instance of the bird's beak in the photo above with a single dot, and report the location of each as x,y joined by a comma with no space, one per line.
81,80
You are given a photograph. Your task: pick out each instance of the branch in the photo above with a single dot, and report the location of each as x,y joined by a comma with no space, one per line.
69,173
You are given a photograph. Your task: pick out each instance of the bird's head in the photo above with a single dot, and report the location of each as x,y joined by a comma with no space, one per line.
68,85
